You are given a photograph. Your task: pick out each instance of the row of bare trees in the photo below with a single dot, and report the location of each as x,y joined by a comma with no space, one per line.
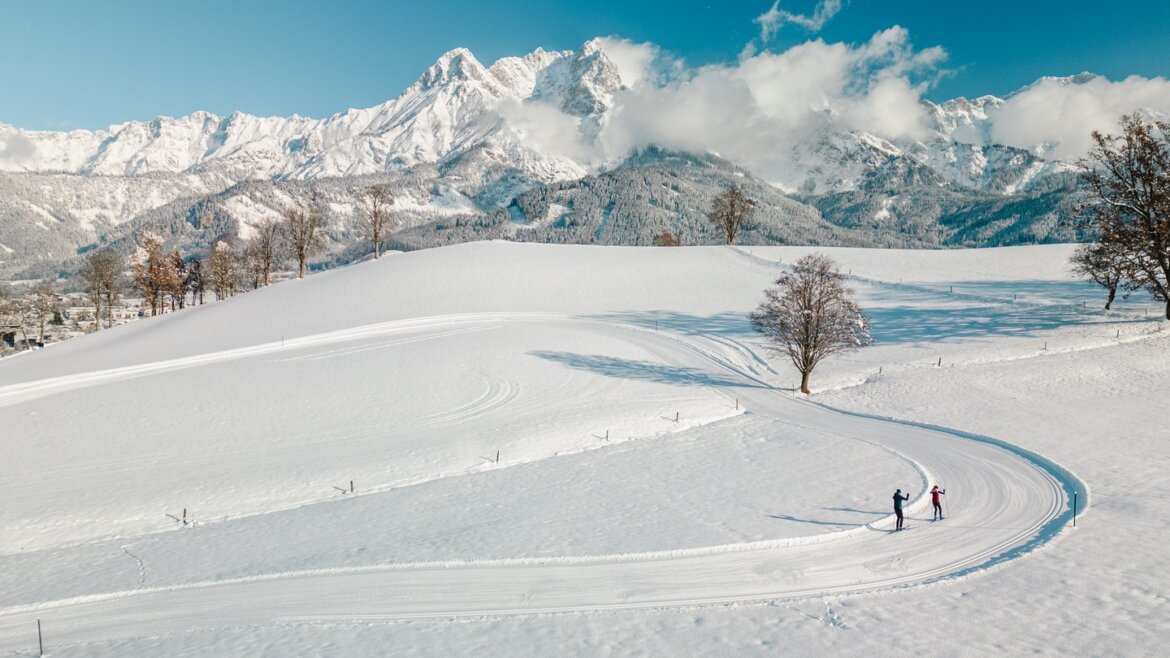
1128,209
166,279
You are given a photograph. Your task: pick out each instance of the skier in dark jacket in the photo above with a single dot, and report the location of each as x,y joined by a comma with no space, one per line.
898,498
934,500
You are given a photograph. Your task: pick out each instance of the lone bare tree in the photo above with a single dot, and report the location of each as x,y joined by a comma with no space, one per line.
102,274
809,314
1128,177
301,226
374,214
731,211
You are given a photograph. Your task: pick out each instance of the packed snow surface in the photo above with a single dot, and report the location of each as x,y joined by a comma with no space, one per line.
518,449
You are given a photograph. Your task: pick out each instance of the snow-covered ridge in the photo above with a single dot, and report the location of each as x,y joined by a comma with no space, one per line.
452,107
469,138
455,105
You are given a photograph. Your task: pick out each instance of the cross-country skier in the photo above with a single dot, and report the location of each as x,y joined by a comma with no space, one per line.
934,500
898,498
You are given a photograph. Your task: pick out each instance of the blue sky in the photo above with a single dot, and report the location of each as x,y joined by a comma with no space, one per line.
91,64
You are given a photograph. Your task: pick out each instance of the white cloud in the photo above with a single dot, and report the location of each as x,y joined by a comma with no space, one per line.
756,111
775,18
547,129
633,60
1055,117
771,112
16,149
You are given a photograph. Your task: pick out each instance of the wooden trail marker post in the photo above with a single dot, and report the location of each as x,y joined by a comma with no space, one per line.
40,641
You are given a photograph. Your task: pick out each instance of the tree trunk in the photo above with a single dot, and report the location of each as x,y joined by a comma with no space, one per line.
1168,307
1109,302
97,314
804,382
24,333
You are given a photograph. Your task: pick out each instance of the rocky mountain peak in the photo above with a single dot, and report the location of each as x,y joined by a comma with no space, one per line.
458,64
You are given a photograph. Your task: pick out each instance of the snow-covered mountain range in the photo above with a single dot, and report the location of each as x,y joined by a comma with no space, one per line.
464,139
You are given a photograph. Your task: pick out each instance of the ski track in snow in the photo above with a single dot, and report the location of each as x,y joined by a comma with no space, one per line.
1019,501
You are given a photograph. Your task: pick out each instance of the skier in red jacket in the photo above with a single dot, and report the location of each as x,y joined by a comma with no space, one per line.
934,500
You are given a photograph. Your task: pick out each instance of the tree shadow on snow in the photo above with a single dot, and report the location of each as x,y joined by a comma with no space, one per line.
641,370
730,324
985,308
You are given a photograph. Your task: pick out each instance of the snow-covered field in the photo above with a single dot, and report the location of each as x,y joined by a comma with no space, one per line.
561,450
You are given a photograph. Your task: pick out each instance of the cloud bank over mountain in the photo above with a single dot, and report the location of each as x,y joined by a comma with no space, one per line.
587,110
1055,117
756,110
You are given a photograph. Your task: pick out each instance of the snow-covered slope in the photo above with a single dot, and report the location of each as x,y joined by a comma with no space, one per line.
582,450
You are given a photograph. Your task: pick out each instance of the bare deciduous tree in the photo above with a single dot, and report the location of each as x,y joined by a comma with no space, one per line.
42,304
264,248
102,274
253,264
222,270
176,280
301,226
1129,179
666,239
195,281
1102,264
374,214
13,312
731,211
809,314
153,272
